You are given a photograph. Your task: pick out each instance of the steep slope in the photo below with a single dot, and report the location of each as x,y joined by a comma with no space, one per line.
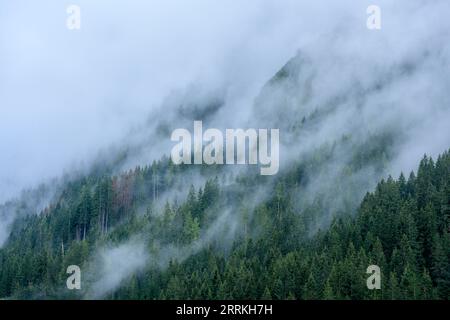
155,231
403,226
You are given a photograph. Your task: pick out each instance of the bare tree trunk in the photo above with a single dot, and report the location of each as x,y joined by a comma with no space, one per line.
154,188
103,222
106,223
157,179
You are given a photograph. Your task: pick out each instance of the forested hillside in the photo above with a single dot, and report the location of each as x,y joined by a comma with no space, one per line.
223,242
234,150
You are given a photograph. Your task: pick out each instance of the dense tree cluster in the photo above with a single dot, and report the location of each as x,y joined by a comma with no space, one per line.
261,251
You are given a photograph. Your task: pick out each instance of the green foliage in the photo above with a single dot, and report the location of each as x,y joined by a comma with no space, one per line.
276,249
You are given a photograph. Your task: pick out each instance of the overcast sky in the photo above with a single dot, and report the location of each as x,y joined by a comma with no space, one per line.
66,94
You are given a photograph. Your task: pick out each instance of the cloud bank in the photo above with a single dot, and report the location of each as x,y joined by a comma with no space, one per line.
135,67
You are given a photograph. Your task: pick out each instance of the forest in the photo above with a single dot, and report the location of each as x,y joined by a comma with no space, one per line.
235,150
265,249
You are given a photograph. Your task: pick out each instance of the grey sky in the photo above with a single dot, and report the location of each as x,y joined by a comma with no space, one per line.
66,94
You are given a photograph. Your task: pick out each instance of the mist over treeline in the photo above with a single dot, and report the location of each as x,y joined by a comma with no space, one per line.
94,111
65,94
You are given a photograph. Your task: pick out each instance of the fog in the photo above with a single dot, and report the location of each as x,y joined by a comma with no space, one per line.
66,94
136,66
112,265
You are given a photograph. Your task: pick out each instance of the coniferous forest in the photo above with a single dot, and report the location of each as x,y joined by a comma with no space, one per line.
402,226
224,150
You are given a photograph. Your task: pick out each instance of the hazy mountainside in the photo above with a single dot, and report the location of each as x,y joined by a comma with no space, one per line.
166,231
191,250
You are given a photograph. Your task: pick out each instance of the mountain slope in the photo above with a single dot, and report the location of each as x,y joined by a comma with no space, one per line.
403,226
166,231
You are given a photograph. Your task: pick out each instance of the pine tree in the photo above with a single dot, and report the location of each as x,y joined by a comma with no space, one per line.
394,290
328,291
441,268
266,295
